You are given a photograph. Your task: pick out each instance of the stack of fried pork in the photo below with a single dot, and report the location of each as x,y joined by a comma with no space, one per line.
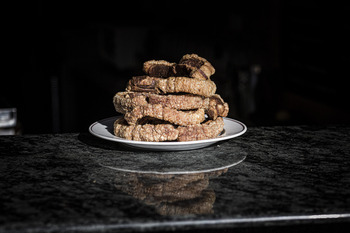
171,102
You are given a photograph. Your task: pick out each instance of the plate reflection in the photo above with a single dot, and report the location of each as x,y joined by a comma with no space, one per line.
171,194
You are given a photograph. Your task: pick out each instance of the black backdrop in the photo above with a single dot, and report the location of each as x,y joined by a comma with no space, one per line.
276,62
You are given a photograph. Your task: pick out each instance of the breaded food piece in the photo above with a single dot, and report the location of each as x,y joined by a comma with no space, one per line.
171,115
149,132
194,66
172,85
127,100
209,129
159,68
143,83
158,132
214,106
173,102
190,65
183,84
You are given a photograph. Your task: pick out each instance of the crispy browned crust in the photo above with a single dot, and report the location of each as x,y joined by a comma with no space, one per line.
159,68
195,67
145,132
188,85
143,83
205,88
190,65
126,101
179,98
207,130
214,106
167,132
170,115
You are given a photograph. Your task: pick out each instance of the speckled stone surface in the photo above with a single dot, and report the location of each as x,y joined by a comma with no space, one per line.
290,176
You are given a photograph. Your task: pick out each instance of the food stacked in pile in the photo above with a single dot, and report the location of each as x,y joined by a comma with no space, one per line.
171,102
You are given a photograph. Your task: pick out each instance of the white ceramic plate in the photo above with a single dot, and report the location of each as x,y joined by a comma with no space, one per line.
104,129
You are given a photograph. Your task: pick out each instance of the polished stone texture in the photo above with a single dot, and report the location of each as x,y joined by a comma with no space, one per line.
291,176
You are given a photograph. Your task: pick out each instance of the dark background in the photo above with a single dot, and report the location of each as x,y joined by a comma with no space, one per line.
277,62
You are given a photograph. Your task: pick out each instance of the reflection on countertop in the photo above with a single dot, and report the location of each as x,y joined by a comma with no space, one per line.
171,194
293,176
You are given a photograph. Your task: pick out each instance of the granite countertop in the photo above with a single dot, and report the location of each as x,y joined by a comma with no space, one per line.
270,177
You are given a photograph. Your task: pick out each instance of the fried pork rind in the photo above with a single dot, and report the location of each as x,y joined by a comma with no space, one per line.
214,106
156,131
176,117
205,88
194,66
172,102
159,68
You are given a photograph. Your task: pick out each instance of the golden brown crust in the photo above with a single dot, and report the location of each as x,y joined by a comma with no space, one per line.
199,67
167,132
126,101
143,84
190,65
158,68
170,115
214,106
179,99
188,85
207,130
145,132
205,88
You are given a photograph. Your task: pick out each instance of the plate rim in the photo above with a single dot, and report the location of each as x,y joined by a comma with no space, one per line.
132,142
